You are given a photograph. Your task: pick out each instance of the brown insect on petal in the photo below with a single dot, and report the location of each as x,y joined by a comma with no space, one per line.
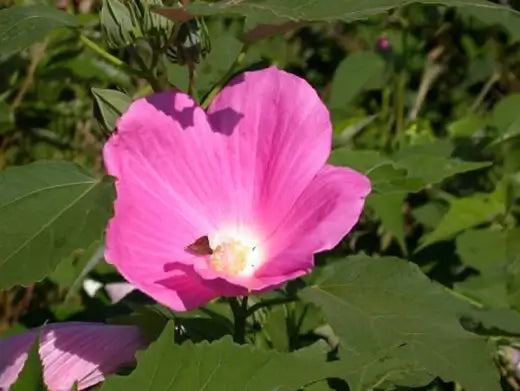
200,247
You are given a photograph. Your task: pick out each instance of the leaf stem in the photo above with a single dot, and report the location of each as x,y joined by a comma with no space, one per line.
400,84
102,52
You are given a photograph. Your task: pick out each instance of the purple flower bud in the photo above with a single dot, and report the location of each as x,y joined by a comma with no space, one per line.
383,44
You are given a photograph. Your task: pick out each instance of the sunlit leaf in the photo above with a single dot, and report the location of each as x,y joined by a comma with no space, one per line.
387,308
48,210
221,365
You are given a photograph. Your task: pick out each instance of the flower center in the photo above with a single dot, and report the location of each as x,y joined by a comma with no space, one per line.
234,253
230,257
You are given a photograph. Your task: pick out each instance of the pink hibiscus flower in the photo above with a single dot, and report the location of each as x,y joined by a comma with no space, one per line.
71,352
228,202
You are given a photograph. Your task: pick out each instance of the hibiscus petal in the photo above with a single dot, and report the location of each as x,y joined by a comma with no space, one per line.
188,290
164,156
70,352
326,211
279,138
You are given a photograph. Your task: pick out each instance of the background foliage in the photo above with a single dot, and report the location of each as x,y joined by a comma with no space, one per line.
424,97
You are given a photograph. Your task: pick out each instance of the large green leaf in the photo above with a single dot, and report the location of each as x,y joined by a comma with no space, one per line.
220,365
278,16
387,308
22,26
272,11
48,210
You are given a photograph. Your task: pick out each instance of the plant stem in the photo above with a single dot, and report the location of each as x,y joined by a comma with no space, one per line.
37,54
102,52
240,316
268,303
400,84
485,90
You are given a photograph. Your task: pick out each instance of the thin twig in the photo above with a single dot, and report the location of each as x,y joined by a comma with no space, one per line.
431,72
485,90
37,53
102,52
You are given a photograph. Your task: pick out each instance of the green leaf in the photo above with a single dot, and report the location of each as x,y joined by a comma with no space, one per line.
488,289
493,321
467,212
109,105
467,126
48,210
220,365
74,268
276,330
482,248
496,16
31,376
389,208
275,11
278,16
430,214
6,118
506,118
387,308
434,169
354,74
408,171
23,26
150,319
224,50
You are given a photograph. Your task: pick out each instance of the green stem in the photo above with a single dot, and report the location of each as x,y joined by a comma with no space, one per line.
223,80
101,52
268,303
240,316
400,84
144,73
